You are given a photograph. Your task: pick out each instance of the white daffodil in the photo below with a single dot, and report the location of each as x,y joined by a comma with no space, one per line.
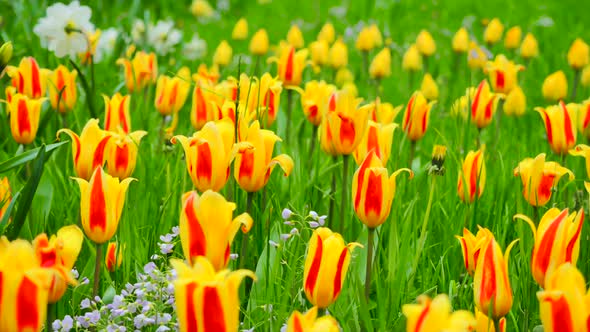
163,37
63,29
106,43
195,49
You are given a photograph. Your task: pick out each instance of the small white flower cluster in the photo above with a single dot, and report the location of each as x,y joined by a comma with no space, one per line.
162,36
148,303
312,220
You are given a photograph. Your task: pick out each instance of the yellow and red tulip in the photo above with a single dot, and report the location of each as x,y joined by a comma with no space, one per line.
259,43
512,38
412,60
28,78
116,116
530,47
379,138
114,256
310,322
267,99
555,86
578,55
557,241
5,196
560,126
121,154
25,114
584,118
384,112
207,228
484,104
254,162
473,173
211,75
25,287
425,43
348,122
381,65
62,89
171,92
539,177
484,324
295,37
493,32
417,116
208,154
492,291
314,100
582,150
338,55
207,300
326,265
460,42
291,65
373,190
435,315
88,149
515,103
471,246
101,204
204,108
9,92
141,71
564,304
59,254
503,74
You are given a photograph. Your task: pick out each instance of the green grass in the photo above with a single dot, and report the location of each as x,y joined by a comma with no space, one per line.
153,203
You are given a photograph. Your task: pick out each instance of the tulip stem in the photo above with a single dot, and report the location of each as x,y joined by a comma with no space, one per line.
244,250
97,270
575,85
332,198
425,61
497,325
344,196
412,152
50,317
365,63
289,110
370,241
314,138
377,88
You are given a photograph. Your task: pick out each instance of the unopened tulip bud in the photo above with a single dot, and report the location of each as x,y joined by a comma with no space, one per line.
240,31
512,39
461,41
555,86
578,54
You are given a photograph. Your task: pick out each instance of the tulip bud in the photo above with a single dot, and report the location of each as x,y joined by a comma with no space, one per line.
471,246
425,43
539,178
484,104
429,88
560,126
473,173
25,114
326,265
319,51
578,55
310,322
114,256
436,315
240,31
529,47
223,54
477,57
416,116
512,38
116,116
5,55
327,33
343,76
376,35
140,71
555,86
201,9
338,55
493,31
295,37
381,65
368,38
412,61
259,43
515,103
461,41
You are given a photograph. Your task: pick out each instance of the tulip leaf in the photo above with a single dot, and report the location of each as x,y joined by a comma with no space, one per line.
8,212
87,89
28,192
28,156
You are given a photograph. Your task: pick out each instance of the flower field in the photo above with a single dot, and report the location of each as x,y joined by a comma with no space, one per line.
299,166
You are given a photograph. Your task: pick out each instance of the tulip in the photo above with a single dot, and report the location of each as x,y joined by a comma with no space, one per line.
347,121
476,57
114,257
28,78
564,303
344,76
9,91
338,55
428,87
267,98
259,43
25,114
555,86
492,292
585,79
512,38
471,246
484,104
425,43
309,322
373,190
582,150
529,48
578,55
25,287
121,155
366,39
5,55
117,113
62,89
493,31
203,109
5,196
295,37
539,177
208,154
381,65
560,125
291,65
384,112
207,300
210,75
254,163
88,149
484,324
436,315
460,107
201,8
460,41
314,100
557,241
412,61
171,92
503,74
101,204
223,54
327,138
140,71
583,111
515,103
379,138
59,254
326,264
92,38
416,116
327,33
319,51
207,229
473,171
240,31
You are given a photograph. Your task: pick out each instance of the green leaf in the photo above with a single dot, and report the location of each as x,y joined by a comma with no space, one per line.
89,93
27,156
28,192
8,212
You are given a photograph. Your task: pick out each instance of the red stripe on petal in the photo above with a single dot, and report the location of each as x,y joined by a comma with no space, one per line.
21,83
247,165
422,318
332,103
191,315
201,105
122,119
289,66
544,190
77,148
122,157
107,123
473,177
465,253
27,316
204,162
409,113
543,255
313,112
60,84
314,270
488,279
35,80
197,240
572,243
213,313
339,272
374,194
500,80
425,118
97,207
561,316
347,131
98,159
373,141
476,97
587,117
23,117
548,128
361,176
173,94
569,132
297,327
